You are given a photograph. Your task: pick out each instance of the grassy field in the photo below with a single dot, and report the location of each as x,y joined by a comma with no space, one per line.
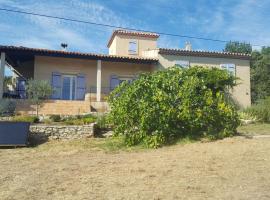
233,168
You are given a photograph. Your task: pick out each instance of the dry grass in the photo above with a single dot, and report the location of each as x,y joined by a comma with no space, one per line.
233,168
255,129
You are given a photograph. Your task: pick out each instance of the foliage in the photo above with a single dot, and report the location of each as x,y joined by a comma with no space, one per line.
161,107
247,116
7,107
8,82
80,120
102,122
55,118
238,47
38,91
260,73
260,110
26,118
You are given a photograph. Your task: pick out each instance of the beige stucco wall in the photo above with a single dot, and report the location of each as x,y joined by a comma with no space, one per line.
121,69
241,92
45,66
120,45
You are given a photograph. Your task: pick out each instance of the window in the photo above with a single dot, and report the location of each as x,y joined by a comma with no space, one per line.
229,67
123,79
182,63
133,47
68,87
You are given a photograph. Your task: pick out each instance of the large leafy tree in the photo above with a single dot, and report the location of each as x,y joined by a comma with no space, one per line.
160,107
238,47
260,74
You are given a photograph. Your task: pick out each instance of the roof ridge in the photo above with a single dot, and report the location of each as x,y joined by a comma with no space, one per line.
133,33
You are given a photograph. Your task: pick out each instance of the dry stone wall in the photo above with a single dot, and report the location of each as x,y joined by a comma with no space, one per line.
63,132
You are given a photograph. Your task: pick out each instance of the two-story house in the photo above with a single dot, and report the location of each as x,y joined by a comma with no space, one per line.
81,81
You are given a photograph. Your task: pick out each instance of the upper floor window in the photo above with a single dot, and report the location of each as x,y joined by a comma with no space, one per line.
133,47
182,63
229,67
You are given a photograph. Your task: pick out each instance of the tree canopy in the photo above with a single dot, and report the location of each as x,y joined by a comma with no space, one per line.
160,107
238,47
260,74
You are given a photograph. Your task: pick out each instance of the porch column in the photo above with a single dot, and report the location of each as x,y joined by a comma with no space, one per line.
2,73
98,80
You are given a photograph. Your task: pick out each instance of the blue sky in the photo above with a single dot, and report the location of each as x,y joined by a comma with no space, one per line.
243,20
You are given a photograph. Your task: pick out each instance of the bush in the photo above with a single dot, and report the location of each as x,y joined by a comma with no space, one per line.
80,120
102,122
31,119
260,110
161,107
7,107
55,118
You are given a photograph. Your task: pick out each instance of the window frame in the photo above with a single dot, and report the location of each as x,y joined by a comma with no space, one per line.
131,51
73,78
176,63
227,67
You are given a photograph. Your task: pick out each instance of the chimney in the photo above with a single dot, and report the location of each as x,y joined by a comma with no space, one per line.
64,46
188,46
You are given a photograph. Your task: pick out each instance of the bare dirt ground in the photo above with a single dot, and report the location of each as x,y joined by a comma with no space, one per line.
233,168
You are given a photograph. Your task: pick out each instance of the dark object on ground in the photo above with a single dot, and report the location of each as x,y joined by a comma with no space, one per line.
14,133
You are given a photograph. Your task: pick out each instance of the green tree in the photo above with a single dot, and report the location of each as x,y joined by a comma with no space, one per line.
38,91
260,74
238,47
160,107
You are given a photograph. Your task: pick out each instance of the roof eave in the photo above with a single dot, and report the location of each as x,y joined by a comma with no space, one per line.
204,54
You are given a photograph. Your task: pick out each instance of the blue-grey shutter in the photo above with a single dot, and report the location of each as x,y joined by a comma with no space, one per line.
56,85
81,87
114,82
21,89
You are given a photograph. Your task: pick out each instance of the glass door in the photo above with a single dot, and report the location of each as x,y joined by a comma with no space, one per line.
68,87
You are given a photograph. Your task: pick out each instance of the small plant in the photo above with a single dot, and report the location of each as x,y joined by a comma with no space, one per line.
7,107
80,120
38,91
102,122
26,118
260,110
55,118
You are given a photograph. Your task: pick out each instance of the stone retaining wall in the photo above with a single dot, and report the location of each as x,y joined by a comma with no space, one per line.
63,132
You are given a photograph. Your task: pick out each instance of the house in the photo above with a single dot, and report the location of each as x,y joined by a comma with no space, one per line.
81,81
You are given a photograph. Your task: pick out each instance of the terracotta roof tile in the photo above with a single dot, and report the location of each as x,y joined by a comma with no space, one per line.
132,33
59,53
215,54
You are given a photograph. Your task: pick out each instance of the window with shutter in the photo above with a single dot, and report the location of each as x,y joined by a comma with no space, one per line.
81,87
56,85
133,47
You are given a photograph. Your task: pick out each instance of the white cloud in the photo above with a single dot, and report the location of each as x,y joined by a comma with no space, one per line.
49,33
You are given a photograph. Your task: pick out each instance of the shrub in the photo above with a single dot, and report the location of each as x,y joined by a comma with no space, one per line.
260,110
7,107
80,120
102,122
26,118
55,118
161,107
